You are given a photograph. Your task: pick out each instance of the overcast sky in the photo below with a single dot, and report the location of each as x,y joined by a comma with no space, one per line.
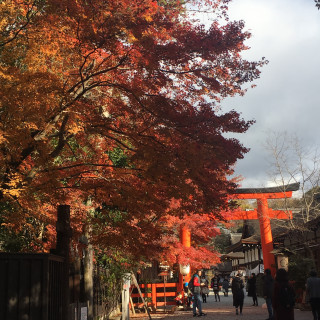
287,33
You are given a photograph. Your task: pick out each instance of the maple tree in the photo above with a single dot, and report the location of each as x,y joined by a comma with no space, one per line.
118,102
201,254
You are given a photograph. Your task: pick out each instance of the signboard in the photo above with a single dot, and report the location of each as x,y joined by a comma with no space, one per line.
261,267
84,313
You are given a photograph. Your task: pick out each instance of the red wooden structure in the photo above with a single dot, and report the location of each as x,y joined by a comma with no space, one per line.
263,213
185,238
157,294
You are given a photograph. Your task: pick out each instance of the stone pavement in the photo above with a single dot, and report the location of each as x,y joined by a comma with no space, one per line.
224,310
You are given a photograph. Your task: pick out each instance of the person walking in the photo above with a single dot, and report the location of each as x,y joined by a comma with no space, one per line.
225,286
283,297
215,282
204,289
187,295
252,289
196,294
267,291
313,293
237,292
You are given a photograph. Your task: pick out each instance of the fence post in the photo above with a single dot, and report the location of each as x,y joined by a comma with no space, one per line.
154,294
126,296
62,248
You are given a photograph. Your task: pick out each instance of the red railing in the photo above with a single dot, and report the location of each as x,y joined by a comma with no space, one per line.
156,291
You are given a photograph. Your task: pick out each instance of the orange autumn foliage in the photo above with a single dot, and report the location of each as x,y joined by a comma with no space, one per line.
118,102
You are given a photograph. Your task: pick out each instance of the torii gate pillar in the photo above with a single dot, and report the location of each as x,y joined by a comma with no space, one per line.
266,234
185,238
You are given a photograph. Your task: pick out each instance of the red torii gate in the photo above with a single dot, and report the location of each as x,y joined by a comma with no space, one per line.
263,213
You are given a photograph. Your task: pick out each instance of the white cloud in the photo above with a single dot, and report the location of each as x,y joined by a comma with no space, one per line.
287,97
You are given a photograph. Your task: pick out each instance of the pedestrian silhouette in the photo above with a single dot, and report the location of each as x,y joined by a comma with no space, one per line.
283,297
268,291
313,294
237,292
252,289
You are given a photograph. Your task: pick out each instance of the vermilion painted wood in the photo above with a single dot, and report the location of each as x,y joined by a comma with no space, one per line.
154,294
253,214
185,238
273,195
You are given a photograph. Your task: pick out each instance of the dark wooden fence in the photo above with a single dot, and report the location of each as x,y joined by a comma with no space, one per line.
30,286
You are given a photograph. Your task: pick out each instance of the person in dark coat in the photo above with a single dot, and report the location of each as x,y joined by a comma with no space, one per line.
237,292
268,291
225,286
282,312
252,289
313,292
204,289
215,285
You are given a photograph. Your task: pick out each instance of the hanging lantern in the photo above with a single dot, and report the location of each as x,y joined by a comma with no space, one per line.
184,269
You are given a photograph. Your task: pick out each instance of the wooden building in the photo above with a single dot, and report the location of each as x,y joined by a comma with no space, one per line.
246,255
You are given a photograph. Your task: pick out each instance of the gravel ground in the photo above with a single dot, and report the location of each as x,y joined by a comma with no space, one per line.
224,310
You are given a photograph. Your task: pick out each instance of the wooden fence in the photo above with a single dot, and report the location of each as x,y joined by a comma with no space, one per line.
155,294
30,286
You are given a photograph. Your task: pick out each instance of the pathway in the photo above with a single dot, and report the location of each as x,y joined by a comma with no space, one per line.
224,310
